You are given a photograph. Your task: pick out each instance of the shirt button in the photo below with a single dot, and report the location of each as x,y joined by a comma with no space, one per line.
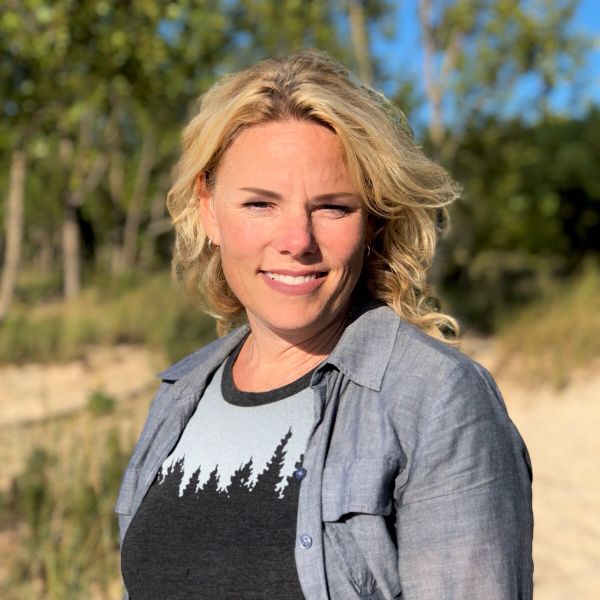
300,473
305,541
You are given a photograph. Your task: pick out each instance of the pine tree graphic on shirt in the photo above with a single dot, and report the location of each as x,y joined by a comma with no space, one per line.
271,483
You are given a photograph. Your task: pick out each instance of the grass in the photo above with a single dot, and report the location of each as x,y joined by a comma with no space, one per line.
152,311
67,532
58,531
556,334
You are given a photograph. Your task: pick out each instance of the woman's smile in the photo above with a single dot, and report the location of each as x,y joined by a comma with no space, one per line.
295,284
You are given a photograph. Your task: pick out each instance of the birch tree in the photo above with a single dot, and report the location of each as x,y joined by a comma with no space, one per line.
476,54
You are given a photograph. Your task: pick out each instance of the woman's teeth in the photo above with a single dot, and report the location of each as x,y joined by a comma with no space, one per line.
290,279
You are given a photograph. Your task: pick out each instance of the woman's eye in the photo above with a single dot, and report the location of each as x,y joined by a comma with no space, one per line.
257,204
335,209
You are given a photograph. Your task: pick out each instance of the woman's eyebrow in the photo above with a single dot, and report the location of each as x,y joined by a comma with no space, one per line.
335,196
319,198
261,192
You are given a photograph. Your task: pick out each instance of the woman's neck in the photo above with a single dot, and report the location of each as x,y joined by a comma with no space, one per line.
269,359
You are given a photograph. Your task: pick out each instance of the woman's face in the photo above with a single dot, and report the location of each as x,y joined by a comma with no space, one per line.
290,226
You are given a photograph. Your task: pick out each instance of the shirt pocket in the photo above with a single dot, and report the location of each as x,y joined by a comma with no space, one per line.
358,486
348,574
361,556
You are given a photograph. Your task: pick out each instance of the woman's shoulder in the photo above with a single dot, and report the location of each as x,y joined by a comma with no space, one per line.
407,369
439,380
428,355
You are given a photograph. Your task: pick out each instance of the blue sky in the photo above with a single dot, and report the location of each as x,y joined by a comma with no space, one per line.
588,21
403,55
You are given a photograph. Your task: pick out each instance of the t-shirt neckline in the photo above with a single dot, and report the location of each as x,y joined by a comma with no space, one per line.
235,396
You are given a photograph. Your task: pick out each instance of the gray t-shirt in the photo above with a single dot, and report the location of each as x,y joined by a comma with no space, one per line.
219,521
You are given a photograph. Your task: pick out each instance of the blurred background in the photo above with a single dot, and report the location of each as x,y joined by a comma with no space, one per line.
93,96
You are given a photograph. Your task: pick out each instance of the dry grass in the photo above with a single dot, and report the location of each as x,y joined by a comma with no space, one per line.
57,526
556,336
152,312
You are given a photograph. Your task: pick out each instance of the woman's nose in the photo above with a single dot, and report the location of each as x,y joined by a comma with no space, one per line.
296,236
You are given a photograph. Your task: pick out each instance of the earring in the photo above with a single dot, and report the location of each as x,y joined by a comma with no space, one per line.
210,245
368,250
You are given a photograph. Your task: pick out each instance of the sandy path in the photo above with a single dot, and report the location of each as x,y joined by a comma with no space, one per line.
562,433
561,429
32,392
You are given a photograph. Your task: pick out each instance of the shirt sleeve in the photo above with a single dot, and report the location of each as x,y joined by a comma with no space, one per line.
464,522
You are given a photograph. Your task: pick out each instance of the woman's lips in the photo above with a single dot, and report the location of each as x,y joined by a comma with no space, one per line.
294,284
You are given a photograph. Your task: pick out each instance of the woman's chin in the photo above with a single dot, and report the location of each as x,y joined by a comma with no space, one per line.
290,323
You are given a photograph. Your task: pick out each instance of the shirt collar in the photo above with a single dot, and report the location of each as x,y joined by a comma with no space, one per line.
364,350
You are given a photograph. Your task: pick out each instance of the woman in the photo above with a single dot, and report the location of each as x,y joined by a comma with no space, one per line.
335,446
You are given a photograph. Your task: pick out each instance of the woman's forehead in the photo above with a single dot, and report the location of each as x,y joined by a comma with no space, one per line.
283,148
287,133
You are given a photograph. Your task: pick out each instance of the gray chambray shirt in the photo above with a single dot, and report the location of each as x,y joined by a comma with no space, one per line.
418,485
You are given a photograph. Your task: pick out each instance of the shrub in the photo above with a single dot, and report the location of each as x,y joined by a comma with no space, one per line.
100,403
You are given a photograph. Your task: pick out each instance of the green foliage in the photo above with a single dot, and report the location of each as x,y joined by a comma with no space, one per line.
36,287
530,212
278,28
69,532
96,92
23,338
30,495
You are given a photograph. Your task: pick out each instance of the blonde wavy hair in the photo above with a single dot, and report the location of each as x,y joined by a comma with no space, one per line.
405,193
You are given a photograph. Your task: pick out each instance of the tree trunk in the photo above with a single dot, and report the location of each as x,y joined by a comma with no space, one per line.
116,188
71,242
360,40
71,252
14,229
433,86
438,63
134,210
84,179
44,257
159,224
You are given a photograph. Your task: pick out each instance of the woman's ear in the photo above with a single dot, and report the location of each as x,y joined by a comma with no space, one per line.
206,200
